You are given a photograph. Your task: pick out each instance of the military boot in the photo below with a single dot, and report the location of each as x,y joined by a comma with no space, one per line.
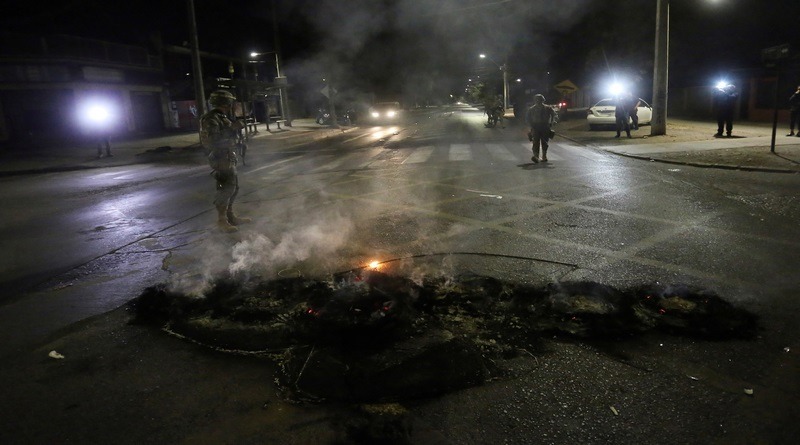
236,220
222,221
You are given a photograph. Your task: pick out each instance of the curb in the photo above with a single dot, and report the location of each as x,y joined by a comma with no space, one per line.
705,164
691,164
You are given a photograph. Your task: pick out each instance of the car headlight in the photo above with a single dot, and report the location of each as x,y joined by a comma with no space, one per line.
375,114
391,113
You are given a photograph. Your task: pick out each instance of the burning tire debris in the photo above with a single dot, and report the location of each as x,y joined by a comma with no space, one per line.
373,337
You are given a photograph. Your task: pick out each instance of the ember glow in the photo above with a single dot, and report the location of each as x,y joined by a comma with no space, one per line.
374,265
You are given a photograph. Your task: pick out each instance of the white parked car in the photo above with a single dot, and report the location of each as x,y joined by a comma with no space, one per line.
602,113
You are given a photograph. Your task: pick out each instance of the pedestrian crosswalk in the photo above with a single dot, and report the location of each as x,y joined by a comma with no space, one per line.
420,155
510,152
478,152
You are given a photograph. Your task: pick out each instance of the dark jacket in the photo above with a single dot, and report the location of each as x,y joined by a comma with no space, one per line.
794,101
725,102
623,107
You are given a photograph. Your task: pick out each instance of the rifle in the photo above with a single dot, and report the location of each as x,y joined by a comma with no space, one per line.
239,136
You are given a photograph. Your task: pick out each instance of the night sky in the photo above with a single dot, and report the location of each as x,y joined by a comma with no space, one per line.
397,44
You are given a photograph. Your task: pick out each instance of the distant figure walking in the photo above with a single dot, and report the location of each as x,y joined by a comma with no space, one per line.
725,105
540,118
794,113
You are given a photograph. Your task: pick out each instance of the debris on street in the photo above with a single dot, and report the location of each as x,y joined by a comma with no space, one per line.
370,337
55,355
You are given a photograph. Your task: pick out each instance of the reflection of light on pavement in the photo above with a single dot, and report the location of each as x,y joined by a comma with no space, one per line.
382,133
120,218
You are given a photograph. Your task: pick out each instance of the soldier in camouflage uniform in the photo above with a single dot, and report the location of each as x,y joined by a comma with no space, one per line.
218,134
540,118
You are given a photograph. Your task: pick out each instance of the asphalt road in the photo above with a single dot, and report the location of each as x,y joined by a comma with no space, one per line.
439,183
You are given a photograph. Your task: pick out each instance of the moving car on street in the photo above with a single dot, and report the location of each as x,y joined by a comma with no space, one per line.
385,112
602,113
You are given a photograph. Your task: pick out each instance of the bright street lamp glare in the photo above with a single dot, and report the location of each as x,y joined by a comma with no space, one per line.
482,56
722,84
253,54
615,89
98,113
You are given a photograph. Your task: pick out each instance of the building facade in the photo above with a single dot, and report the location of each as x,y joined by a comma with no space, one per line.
57,88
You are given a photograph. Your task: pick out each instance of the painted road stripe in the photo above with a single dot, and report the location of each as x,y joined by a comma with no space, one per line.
420,155
460,152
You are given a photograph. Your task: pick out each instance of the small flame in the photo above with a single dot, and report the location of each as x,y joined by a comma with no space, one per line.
374,265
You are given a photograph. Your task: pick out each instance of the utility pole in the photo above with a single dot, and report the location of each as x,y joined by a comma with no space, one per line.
505,86
199,93
658,125
279,80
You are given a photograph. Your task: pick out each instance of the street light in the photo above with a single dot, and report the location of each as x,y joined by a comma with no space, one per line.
280,81
504,69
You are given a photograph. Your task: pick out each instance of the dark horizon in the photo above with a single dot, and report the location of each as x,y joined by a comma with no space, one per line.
391,44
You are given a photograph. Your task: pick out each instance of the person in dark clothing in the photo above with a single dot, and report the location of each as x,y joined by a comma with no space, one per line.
622,115
540,119
725,105
634,112
794,112
104,142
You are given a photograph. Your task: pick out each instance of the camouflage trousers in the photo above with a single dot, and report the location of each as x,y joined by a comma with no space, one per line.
540,135
227,188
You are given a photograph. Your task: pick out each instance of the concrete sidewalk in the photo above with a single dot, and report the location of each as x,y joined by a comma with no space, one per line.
752,154
690,142
158,148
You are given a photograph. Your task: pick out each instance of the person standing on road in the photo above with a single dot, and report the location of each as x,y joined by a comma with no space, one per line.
622,114
104,142
218,135
539,117
634,112
725,105
794,112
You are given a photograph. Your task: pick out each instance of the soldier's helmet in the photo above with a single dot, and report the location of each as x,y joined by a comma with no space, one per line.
221,98
538,98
